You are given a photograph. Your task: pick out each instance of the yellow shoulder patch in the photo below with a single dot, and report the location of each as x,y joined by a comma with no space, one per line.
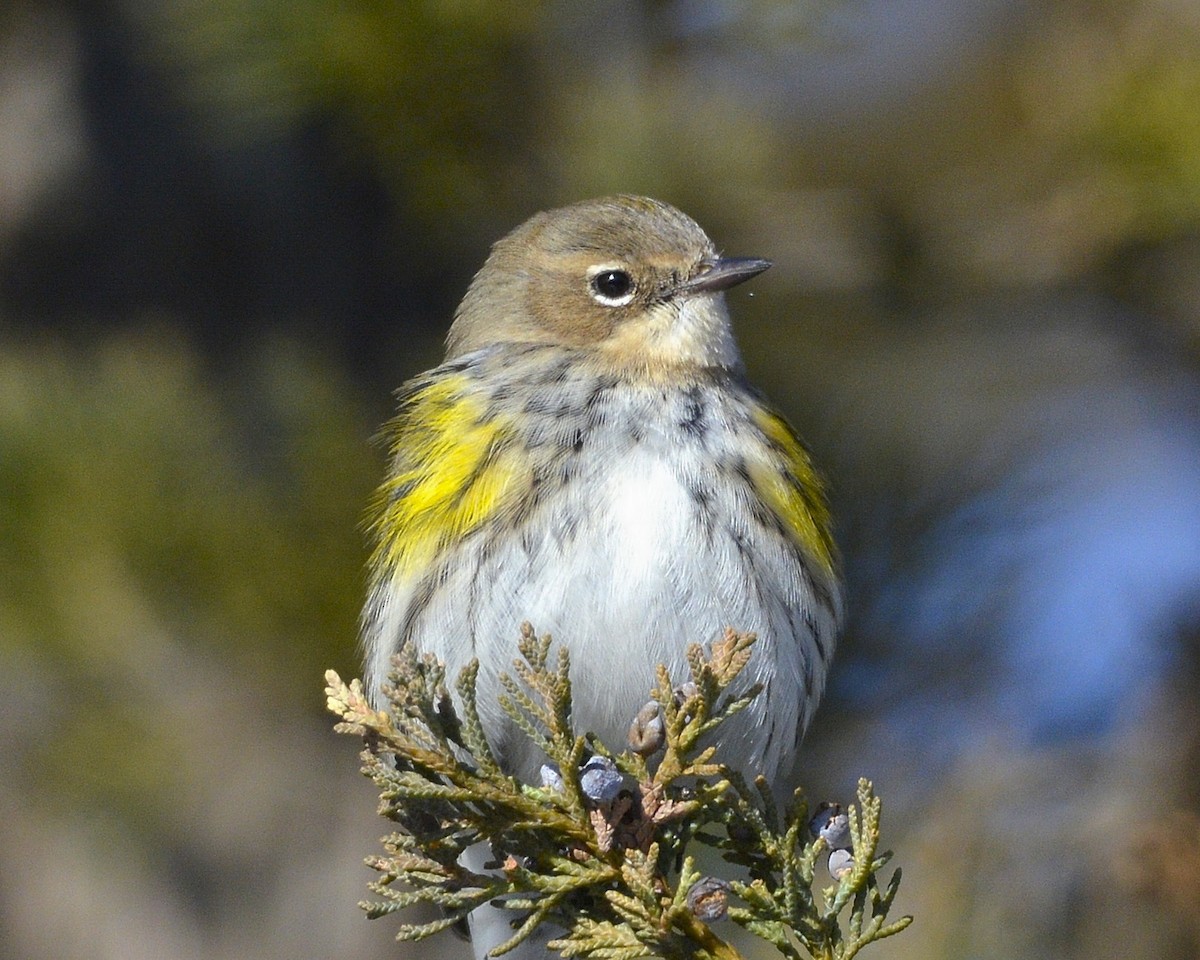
794,491
453,468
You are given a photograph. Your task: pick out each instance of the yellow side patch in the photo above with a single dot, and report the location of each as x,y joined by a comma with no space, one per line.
452,470
793,490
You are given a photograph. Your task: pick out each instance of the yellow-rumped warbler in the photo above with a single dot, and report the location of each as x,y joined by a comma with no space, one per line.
590,458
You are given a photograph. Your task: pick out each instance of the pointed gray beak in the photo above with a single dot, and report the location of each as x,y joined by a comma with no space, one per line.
723,273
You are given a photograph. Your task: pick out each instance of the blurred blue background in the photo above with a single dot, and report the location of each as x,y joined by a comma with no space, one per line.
229,229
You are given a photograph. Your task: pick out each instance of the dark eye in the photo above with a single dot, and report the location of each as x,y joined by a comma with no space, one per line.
612,287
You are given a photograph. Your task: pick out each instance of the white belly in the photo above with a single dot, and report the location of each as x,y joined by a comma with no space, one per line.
625,579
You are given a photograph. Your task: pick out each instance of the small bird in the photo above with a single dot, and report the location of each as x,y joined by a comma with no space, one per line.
591,459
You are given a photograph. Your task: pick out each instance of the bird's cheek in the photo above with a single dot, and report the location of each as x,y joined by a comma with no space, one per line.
578,326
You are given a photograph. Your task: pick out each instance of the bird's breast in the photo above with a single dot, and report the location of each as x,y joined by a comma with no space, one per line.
636,531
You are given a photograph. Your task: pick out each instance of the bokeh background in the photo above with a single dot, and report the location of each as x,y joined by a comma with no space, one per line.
228,228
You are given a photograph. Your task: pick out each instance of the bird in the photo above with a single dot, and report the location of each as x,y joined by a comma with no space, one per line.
591,458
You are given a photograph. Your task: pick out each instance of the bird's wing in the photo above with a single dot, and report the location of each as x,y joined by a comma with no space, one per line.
788,483
454,466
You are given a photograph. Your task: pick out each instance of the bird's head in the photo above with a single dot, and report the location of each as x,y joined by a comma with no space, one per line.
634,280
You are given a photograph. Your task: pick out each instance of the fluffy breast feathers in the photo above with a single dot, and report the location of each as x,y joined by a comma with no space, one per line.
461,461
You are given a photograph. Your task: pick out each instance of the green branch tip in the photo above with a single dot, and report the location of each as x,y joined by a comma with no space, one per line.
602,849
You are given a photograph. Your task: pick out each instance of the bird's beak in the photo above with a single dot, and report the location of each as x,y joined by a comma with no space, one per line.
723,273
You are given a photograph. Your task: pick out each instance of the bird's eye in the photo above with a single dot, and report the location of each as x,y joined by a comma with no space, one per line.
612,287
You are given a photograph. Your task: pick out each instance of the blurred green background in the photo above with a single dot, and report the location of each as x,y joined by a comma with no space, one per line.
229,228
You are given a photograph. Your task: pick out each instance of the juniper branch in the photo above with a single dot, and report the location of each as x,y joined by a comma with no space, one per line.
615,876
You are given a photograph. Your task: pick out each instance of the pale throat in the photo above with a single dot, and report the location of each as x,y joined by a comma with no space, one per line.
691,331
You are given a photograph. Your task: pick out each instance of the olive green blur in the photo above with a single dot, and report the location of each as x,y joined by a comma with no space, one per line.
986,242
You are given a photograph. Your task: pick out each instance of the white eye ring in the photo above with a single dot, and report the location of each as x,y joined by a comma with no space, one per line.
610,284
